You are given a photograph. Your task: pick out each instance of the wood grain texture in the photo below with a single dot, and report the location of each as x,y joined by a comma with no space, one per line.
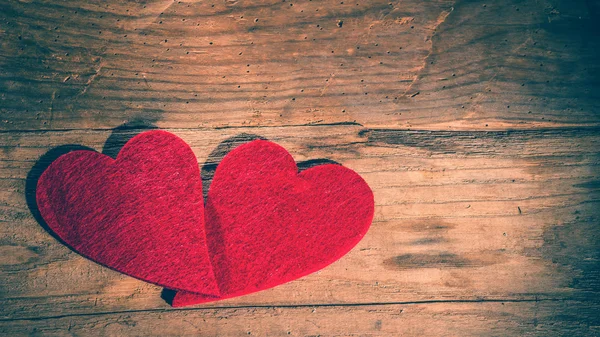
410,64
433,319
475,123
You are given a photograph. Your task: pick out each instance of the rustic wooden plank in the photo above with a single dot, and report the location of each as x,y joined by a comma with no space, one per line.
426,319
508,215
435,64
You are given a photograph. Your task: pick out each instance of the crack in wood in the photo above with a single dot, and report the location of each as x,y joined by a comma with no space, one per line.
293,306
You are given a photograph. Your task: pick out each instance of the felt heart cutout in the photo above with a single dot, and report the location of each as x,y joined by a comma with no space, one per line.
267,224
141,214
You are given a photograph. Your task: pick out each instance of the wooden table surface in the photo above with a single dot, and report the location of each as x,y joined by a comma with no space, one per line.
475,123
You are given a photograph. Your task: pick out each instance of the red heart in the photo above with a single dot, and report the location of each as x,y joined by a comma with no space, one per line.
267,224
140,214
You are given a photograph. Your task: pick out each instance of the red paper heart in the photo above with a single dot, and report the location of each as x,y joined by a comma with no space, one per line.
141,214
267,224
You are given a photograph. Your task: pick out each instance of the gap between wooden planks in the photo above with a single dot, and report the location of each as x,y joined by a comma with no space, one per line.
433,319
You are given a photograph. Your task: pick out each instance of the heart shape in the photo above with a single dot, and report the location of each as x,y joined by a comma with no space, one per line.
267,224
140,214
